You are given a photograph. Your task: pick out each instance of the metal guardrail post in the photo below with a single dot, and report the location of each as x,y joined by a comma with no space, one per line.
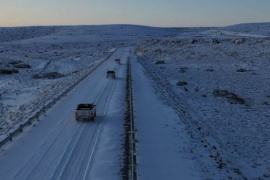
133,172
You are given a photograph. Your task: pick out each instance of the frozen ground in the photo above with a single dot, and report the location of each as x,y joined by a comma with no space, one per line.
216,80
45,67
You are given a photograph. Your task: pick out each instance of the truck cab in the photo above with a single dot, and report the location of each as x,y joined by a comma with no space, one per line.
111,74
117,61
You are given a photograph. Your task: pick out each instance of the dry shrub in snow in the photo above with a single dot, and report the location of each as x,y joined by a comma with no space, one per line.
231,97
209,70
241,70
239,41
183,69
193,41
181,83
15,62
8,71
215,41
21,65
51,75
160,62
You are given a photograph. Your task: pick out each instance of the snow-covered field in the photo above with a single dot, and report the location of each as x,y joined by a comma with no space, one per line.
216,80
42,67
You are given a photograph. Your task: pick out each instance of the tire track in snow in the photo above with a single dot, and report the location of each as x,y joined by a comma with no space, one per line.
98,132
88,142
57,143
64,166
53,141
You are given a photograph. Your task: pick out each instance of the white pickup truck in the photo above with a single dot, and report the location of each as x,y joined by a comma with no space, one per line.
85,112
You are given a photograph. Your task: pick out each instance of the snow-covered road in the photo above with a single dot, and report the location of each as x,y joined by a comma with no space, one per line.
58,147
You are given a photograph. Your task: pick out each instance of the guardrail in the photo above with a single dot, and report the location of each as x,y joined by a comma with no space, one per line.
131,133
49,105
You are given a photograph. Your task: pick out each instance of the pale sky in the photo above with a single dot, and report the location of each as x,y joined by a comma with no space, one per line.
163,13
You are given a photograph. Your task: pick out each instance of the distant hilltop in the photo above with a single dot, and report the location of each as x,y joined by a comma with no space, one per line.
8,34
250,28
